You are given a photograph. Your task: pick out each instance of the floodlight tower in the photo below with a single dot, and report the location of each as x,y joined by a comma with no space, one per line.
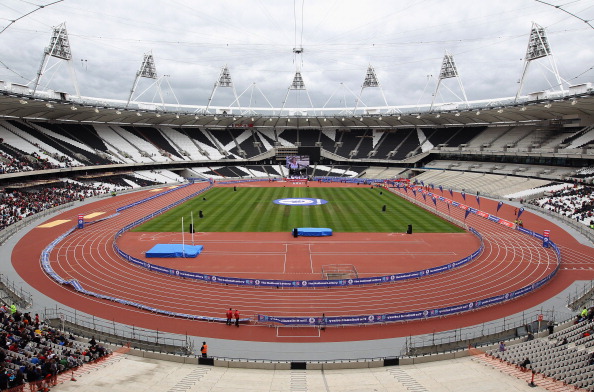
538,47
147,70
298,83
224,81
371,81
58,48
448,70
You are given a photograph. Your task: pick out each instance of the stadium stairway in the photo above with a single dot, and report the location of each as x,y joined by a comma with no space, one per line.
540,380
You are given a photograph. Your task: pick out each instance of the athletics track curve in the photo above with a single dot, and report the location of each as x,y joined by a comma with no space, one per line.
509,261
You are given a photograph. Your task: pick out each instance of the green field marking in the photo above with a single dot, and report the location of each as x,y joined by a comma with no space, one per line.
356,209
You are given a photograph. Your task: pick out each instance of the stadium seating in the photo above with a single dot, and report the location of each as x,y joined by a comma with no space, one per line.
563,355
574,202
39,355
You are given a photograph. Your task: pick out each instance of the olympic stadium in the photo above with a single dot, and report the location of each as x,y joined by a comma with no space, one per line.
377,232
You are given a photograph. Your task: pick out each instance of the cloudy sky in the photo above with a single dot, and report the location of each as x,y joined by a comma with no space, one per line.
404,41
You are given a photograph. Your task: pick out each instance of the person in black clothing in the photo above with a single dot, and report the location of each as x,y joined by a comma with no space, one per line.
551,327
3,378
524,364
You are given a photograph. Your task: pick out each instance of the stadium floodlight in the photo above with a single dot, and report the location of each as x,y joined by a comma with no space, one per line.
224,81
448,71
297,85
147,70
59,48
371,81
538,47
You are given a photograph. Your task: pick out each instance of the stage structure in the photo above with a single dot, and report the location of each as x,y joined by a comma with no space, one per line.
448,71
148,70
538,47
59,48
371,81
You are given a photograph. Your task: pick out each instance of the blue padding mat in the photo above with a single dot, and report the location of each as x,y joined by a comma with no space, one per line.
174,250
314,232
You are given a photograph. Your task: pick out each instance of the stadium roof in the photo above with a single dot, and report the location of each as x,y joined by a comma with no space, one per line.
530,110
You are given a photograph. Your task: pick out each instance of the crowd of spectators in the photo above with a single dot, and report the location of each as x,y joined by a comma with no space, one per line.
575,202
19,163
31,351
9,164
18,204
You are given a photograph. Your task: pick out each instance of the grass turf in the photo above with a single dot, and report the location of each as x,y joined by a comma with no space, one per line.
357,209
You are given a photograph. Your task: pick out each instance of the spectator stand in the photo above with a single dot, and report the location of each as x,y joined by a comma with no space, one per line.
33,352
564,356
572,206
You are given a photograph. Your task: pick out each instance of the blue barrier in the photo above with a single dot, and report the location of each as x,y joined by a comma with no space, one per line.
152,197
316,321
428,313
45,264
349,180
278,282
291,283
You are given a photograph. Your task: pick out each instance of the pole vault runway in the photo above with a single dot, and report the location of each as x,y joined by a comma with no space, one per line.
509,261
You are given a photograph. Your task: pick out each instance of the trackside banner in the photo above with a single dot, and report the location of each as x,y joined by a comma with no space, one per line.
417,315
45,263
291,283
152,197
278,282
317,321
480,303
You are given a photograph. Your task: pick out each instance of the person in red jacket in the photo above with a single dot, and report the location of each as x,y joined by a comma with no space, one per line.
236,318
229,316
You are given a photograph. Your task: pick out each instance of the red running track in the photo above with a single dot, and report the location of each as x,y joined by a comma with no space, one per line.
510,261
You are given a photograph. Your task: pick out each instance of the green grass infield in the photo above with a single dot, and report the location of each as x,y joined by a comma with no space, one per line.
357,209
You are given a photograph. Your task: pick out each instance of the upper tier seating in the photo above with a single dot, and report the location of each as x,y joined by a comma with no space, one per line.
576,202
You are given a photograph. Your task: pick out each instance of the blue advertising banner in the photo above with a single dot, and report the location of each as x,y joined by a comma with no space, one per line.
343,320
